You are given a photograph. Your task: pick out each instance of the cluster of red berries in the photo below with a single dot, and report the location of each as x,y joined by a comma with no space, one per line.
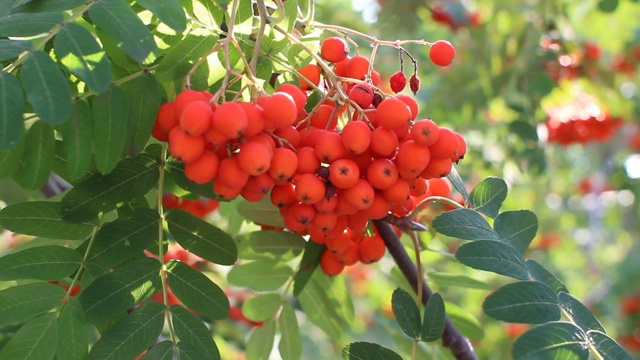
329,170
455,15
580,62
200,207
582,128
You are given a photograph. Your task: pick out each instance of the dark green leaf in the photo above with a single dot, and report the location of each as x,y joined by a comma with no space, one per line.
261,212
168,11
368,351
37,160
161,351
290,346
23,302
73,339
144,96
109,113
49,5
197,291
459,280
132,335
36,339
46,88
124,238
517,228
23,25
176,170
553,340
10,49
11,108
468,325
434,319
606,347
578,313
260,275
78,50
458,184
269,244
308,265
494,256
201,238
608,6
41,218
188,351
261,341
262,306
121,289
524,129
181,57
191,329
77,133
132,177
121,23
464,224
10,159
528,302
488,195
43,263
538,273
406,312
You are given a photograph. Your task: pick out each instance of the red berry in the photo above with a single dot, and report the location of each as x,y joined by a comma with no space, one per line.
398,81
414,83
334,49
442,53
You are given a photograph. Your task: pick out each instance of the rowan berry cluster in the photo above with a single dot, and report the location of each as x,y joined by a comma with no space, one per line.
329,167
582,128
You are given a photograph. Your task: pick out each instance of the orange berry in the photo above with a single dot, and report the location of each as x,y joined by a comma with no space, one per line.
411,103
350,255
310,75
360,195
371,249
398,192
358,67
384,142
251,196
290,134
419,187
264,139
231,174
324,117
440,187
290,220
344,207
382,174
166,117
280,109
324,221
308,162
309,188
338,228
195,118
340,68
362,95
442,53
380,207
425,132
334,49
338,244
447,144
344,173
437,167
254,158
327,204
330,264
462,148
330,148
303,213
230,119
411,159
356,137
185,147
158,133
203,169
284,164
255,118
357,221
185,98
393,113
225,192
261,184
283,196
299,97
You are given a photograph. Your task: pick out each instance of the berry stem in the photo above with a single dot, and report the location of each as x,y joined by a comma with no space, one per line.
425,202
460,346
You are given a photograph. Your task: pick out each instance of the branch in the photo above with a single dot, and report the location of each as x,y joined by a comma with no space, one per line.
460,346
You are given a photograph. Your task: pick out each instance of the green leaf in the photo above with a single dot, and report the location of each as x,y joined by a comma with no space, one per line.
77,133
197,291
191,329
553,340
43,6
488,195
120,22
11,49
35,340
578,313
459,184
145,98
468,325
160,351
120,289
308,265
459,280
524,129
124,238
495,256
244,18
269,244
188,351
41,218
261,212
43,263
37,160
209,13
132,335
262,306
23,302
78,50
261,341
10,160
260,275
528,302
608,6
181,57
517,228
132,177
24,25
46,87
326,301
201,238
538,273
176,170
11,108
464,224
606,347
290,345
368,351
168,11
73,339
110,111
434,320
406,312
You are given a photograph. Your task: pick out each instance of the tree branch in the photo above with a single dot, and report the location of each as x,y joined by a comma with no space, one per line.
460,346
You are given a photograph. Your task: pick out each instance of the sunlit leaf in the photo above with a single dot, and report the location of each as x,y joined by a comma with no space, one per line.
488,195
538,273
517,228
606,347
290,346
553,340
260,275
458,184
494,256
262,306
578,313
168,11
528,302
261,212
308,265
181,57
269,244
